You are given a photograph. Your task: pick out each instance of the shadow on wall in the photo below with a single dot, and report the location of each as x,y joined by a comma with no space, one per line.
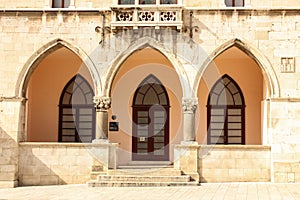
8,160
53,164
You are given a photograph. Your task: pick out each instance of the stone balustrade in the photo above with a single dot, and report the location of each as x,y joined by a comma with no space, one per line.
142,16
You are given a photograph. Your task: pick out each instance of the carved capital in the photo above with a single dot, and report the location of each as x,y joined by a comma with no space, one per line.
189,105
102,103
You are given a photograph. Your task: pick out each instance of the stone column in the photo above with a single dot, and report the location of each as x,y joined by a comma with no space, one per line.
102,104
186,153
189,107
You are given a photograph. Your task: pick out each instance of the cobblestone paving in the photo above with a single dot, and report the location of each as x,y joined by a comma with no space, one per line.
213,191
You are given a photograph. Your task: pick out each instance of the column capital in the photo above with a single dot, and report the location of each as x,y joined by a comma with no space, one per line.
189,104
102,104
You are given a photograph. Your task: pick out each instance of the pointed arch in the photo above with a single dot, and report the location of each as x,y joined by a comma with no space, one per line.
39,55
76,112
226,113
268,72
77,91
150,92
226,92
140,44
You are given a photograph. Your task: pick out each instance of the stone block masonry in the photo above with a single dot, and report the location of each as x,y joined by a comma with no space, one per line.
57,163
249,163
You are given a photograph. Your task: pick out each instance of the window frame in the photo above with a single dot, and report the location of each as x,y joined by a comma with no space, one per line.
234,3
225,107
77,107
62,4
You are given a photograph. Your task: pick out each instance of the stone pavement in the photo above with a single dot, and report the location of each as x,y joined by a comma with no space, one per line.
214,191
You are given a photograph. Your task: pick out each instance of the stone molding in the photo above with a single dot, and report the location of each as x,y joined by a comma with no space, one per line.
102,104
189,105
12,99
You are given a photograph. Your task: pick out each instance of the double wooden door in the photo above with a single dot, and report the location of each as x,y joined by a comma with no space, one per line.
151,133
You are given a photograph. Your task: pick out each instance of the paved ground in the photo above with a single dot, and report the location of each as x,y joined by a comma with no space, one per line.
237,191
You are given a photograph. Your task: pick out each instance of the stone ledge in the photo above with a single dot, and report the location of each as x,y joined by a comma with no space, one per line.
46,144
43,10
236,147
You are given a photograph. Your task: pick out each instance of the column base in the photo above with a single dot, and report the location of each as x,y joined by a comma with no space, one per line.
8,184
100,141
189,143
186,158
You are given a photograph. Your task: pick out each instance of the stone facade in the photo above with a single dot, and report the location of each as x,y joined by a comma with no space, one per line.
267,31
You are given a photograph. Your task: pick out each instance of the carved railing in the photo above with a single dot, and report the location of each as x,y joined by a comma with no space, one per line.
156,16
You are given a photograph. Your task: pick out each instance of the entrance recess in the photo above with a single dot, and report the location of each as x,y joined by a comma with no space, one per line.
150,140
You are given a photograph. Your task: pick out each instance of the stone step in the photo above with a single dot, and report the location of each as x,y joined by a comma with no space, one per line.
145,171
150,163
94,175
145,167
139,184
143,178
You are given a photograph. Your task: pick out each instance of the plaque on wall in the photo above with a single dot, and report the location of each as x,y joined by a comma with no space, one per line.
113,126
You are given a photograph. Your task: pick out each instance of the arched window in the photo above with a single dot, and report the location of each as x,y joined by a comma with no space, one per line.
76,112
60,3
150,139
226,113
234,3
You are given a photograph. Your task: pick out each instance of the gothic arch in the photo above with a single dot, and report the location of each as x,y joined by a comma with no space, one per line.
142,43
264,64
43,52
226,113
76,107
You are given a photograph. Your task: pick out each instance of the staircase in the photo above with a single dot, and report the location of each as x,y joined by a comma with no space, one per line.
142,175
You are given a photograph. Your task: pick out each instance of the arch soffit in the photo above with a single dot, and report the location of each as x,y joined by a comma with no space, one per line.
264,64
33,62
138,45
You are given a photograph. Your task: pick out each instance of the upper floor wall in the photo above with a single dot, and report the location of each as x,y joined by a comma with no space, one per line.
97,4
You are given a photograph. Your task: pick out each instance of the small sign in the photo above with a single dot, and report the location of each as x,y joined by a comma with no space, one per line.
142,139
113,126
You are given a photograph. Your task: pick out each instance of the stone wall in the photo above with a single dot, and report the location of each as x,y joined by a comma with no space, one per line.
249,163
9,131
284,120
286,172
59,163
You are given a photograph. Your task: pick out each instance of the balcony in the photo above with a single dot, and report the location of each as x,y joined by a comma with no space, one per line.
147,15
